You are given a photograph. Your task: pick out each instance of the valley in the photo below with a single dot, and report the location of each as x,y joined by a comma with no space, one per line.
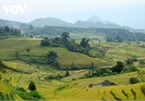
24,69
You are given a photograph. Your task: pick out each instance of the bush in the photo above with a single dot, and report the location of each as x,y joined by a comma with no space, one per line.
32,86
133,80
35,94
67,74
25,96
74,79
0,77
61,87
21,89
1,96
130,69
143,89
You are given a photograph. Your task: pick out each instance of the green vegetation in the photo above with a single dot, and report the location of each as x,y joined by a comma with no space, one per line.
133,80
143,89
63,68
32,86
6,31
33,95
108,34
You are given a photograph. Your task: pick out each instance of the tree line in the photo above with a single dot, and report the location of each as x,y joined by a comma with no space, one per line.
5,31
82,47
120,67
109,32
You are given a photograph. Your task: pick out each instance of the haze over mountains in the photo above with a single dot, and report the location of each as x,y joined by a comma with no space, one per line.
93,21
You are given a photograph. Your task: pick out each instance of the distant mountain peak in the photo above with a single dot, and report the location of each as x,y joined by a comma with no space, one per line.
49,21
94,18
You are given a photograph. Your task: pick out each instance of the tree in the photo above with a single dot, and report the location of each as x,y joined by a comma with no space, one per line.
141,63
84,43
51,56
141,75
56,63
16,54
28,50
133,80
2,65
32,86
102,71
109,39
119,38
118,67
67,73
65,36
7,29
45,42
16,31
129,62
30,27
92,65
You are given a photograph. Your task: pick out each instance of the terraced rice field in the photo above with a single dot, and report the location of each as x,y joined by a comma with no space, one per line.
10,45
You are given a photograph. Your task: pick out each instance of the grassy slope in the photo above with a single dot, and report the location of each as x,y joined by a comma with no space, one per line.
65,57
98,93
77,90
73,92
10,45
5,88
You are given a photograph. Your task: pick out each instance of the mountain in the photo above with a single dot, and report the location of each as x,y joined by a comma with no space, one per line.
93,21
87,24
14,24
41,22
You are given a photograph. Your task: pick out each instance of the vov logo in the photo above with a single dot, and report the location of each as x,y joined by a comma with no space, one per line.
14,9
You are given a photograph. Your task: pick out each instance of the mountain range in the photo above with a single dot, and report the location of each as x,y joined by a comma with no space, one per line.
14,24
93,21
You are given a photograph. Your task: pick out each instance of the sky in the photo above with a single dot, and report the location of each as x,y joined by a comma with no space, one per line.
123,12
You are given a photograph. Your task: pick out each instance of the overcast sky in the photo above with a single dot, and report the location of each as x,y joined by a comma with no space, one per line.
124,12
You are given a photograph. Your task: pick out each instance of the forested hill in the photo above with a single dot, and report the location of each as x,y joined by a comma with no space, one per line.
100,32
14,24
91,22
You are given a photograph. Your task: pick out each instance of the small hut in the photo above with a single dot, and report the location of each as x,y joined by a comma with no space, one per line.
104,83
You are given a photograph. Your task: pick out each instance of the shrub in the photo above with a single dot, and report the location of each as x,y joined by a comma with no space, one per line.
130,69
61,87
67,74
35,94
25,96
21,89
133,80
32,86
1,96
143,89
74,79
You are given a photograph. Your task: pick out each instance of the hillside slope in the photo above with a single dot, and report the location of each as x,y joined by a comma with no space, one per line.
41,22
